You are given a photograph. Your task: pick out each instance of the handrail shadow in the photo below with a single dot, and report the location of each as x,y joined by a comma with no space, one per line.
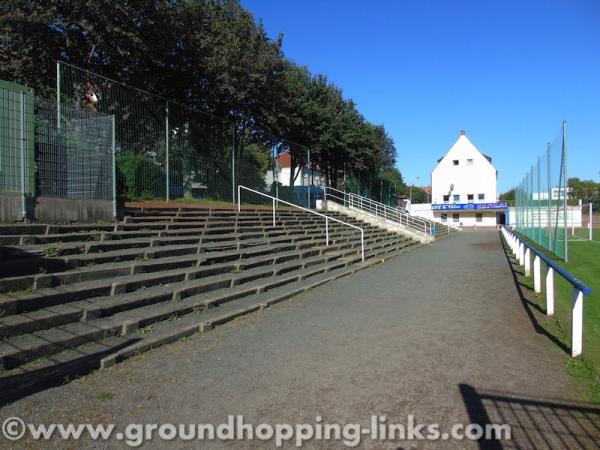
534,422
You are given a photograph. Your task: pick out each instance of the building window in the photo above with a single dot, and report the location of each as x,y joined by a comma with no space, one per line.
455,162
446,198
455,217
481,196
444,217
470,198
479,217
456,198
469,162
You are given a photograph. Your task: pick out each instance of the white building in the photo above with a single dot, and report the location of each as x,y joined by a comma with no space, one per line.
464,189
307,177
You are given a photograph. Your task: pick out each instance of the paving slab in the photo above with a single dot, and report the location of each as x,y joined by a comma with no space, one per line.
439,333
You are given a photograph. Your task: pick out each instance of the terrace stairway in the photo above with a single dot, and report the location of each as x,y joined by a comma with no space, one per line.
77,297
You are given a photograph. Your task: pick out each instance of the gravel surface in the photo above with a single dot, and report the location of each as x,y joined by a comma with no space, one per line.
439,333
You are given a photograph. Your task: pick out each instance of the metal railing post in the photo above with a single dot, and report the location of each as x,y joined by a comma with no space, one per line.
273,212
233,163
167,149
22,155
114,167
239,197
326,232
577,323
550,292
362,244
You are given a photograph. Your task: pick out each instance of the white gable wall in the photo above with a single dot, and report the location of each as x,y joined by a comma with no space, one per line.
478,178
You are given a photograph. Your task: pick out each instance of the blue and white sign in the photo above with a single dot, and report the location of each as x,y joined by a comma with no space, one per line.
467,206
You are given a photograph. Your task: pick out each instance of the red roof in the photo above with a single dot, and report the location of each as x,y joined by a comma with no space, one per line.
284,160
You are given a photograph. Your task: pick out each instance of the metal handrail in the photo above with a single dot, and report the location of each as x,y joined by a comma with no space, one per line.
327,218
523,250
381,210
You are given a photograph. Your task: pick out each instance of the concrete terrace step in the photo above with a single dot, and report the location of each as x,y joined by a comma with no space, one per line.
114,290
130,250
93,282
112,269
176,287
26,347
46,317
92,355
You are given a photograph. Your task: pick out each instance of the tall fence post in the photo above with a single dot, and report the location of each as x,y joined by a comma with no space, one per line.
114,167
168,181
309,180
22,155
58,95
527,262
233,163
564,186
549,147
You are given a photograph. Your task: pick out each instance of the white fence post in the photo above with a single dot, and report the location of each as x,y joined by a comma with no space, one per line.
537,276
577,326
521,254
550,292
527,262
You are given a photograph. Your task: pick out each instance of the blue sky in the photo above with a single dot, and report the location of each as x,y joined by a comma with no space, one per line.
508,72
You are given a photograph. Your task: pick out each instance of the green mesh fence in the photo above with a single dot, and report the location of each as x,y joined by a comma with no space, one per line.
17,127
540,199
164,150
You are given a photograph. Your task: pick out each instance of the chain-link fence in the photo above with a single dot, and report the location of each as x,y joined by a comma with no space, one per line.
375,188
541,199
74,157
167,151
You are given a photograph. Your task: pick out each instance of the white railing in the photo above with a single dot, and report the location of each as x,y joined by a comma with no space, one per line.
327,218
523,252
398,215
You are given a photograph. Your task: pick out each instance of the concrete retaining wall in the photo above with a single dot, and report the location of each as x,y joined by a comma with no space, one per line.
56,210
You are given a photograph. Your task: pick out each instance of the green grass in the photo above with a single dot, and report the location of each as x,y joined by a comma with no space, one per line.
584,263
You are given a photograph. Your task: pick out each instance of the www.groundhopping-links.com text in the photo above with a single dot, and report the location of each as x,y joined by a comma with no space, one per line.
236,429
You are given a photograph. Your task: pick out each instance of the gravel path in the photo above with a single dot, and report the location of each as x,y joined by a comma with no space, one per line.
439,333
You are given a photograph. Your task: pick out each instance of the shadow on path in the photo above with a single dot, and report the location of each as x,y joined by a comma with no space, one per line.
534,422
528,305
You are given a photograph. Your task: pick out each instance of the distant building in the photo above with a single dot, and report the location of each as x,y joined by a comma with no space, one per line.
308,176
463,188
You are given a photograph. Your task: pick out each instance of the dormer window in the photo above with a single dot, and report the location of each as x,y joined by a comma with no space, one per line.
455,162
469,162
